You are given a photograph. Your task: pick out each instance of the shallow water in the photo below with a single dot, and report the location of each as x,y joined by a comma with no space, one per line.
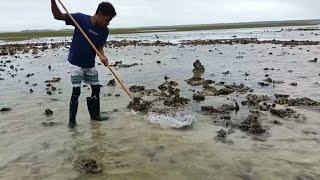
128,146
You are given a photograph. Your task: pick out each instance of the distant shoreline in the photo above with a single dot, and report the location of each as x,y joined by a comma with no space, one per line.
25,35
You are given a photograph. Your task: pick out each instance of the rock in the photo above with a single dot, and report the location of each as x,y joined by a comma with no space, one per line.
254,100
49,92
252,125
282,112
224,91
302,102
314,60
112,82
88,166
29,75
198,97
226,73
48,112
5,109
222,136
276,122
294,84
136,89
31,90
263,84
117,95
54,80
176,101
195,81
158,62
138,105
49,124
198,67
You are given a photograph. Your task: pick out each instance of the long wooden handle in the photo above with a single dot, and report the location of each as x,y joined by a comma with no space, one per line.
94,47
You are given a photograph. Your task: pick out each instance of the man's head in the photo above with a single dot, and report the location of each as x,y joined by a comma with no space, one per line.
104,14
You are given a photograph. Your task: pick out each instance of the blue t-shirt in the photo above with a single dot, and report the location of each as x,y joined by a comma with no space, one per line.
81,53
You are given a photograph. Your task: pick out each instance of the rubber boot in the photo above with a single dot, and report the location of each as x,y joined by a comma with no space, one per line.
72,114
94,108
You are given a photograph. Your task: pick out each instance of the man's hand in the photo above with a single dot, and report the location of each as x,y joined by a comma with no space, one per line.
104,60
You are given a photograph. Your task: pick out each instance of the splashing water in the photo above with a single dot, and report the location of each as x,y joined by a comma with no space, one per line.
179,120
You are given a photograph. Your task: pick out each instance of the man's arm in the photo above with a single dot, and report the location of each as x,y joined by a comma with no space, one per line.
104,60
56,11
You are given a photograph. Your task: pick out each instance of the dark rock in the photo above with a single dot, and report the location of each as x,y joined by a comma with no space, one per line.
135,89
263,84
112,82
138,105
4,109
294,84
88,166
198,67
48,112
31,90
226,73
252,125
195,81
198,97
49,124
314,60
282,112
224,91
303,102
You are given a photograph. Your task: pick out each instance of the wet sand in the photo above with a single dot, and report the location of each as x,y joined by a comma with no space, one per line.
128,146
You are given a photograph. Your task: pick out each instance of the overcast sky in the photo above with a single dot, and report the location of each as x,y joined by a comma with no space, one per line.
17,15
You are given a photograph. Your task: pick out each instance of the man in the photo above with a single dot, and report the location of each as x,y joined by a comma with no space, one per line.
82,55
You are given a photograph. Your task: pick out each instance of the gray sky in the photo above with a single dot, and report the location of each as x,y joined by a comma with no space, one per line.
17,15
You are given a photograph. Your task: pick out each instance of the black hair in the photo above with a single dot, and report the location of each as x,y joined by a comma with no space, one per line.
106,8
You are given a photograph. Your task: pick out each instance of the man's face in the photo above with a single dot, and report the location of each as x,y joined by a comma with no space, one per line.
103,20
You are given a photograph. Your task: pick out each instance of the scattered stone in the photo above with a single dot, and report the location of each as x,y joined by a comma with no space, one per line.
88,166
29,75
314,60
226,73
48,112
252,125
276,122
136,89
54,80
158,62
198,97
31,90
5,109
198,67
294,84
254,100
139,105
303,102
49,92
112,82
49,124
282,112
195,81
263,84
